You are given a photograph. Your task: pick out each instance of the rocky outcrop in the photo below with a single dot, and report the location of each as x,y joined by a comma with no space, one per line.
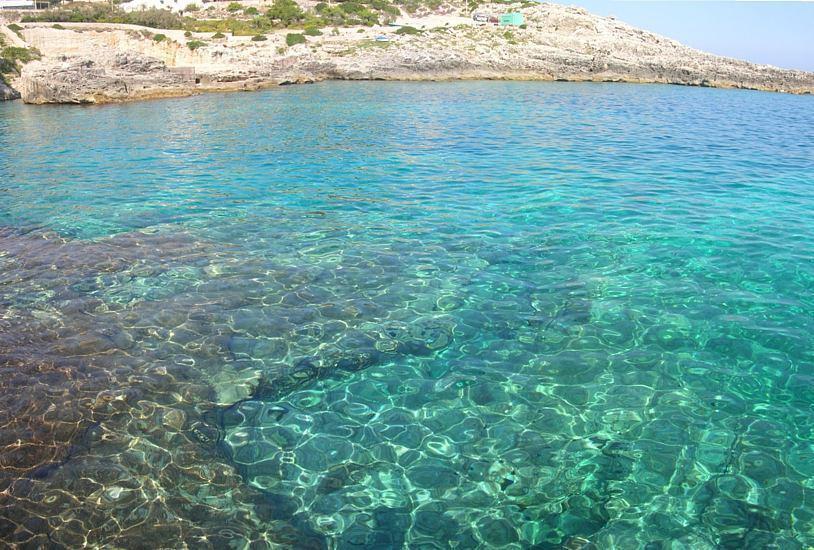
7,93
559,43
7,38
124,76
563,43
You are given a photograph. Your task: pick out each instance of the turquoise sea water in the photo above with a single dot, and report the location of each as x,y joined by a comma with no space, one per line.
384,315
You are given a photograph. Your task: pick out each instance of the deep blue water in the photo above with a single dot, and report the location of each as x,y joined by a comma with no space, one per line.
402,315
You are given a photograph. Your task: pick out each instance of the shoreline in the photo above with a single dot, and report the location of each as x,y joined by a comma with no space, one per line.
182,93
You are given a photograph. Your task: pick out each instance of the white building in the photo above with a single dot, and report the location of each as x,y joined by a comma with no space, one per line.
172,5
16,4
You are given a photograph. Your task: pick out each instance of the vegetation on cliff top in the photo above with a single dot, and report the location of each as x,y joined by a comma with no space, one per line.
407,29
247,22
195,44
12,59
104,13
15,28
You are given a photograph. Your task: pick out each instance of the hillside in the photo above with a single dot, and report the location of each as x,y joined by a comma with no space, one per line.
107,62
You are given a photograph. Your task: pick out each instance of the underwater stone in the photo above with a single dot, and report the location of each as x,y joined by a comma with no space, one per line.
387,345
433,474
449,302
497,532
320,451
435,523
231,386
762,467
204,433
337,478
248,320
801,458
174,418
240,346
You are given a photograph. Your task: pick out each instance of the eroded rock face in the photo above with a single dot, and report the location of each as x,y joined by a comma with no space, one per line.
7,93
109,76
562,43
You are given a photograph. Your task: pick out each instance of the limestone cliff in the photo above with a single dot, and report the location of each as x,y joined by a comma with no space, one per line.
100,63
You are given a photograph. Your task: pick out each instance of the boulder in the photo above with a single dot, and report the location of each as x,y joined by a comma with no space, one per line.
8,93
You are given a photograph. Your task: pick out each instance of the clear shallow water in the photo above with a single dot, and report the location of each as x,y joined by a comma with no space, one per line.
410,315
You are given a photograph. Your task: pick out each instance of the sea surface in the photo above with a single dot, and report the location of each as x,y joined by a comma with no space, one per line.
409,315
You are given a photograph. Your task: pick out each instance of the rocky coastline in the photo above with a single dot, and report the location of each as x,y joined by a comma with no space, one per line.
7,93
103,63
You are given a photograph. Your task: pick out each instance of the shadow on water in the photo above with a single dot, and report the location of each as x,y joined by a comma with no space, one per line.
116,355
127,359
156,387
102,438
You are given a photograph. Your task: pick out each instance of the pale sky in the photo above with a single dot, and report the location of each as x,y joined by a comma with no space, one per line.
774,32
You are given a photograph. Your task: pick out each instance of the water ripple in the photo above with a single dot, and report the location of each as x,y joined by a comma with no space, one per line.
469,315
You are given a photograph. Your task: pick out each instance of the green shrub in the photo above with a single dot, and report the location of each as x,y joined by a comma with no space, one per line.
380,5
286,12
188,34
251,11
352,12
365,16
235,27
23,55
524,26
160,38
15,29
11,58
104,13
391,10
195,44
407,29
191,8
156,19
58,27
312,31
352,7
411,6
292,39
259,38
218,35
233,7
332,15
